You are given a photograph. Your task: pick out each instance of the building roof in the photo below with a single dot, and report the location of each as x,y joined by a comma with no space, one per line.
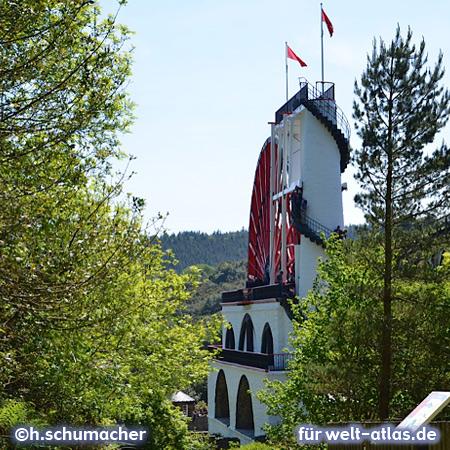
181,397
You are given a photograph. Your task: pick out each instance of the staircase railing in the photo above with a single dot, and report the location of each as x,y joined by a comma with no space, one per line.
325,103
301,220
315,226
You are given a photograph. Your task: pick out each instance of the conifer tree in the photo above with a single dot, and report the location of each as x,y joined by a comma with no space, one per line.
401,105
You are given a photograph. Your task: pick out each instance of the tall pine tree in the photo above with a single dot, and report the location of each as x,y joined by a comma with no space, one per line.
400,107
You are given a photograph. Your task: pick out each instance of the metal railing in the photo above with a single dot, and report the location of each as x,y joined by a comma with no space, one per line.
301,218
234,296
268,362
255,293
324,102
280,361
316,227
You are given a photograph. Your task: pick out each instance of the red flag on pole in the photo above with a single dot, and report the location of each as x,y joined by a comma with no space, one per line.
328,22
292,55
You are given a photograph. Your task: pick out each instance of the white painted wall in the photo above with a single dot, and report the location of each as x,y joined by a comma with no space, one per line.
320,172
261,312
233,374
306,260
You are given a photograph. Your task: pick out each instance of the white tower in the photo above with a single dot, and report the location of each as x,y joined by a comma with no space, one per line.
302,160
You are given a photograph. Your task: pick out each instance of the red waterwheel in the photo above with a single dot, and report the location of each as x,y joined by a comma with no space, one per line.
259,258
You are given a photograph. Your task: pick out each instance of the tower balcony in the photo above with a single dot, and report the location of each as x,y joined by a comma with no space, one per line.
259,292
280,292
268,362
320,102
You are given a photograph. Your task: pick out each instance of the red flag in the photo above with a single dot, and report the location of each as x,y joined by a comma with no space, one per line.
328,22
292,55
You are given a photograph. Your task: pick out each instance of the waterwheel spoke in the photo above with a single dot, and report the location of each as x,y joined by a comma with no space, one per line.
259,227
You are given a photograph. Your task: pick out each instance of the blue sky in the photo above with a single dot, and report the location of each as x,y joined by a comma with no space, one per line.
209,75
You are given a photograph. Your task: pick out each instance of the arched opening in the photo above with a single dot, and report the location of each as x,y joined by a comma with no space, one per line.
222,406
267,340
246,336
244,409
229,338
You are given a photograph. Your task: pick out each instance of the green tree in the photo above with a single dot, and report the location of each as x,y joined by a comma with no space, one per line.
335,367
62,106
400,107
333,372
88,331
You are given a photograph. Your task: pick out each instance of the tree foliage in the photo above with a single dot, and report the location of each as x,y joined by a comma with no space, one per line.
336,363
88,331
196,248
400,107
227,276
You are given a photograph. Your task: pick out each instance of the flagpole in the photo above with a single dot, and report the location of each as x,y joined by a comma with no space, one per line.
321,39
286,62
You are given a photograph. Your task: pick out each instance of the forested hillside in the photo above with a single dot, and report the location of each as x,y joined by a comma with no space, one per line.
227,276
196,248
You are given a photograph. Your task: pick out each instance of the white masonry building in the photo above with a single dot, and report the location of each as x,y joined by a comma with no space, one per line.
297,196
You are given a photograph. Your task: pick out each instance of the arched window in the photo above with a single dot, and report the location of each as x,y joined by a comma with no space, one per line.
222,406
244,408
246,336
229,338
267,340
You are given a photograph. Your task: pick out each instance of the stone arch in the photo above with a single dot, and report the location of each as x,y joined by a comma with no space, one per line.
246,336
267,340
244,408
221,403
229,338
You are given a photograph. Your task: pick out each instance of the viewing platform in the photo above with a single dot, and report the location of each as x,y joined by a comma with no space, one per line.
279,292
321,103
267,362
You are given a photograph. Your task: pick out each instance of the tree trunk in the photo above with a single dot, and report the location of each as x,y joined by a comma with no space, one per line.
385,381
385,378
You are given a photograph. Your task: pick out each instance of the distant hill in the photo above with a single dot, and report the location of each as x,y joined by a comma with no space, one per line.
193,248
227,276
197,248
